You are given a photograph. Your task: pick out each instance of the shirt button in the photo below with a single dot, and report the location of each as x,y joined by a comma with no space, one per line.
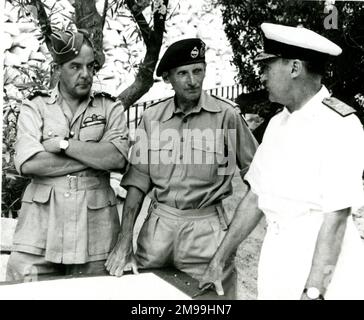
72,134
50,133
181,156
184,120
182,139
67,194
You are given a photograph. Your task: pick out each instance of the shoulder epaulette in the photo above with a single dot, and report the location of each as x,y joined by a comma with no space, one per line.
231,103
156,103
105,95
338,106
38,93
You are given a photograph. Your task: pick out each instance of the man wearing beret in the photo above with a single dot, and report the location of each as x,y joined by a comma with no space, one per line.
68,222
306,179
185,159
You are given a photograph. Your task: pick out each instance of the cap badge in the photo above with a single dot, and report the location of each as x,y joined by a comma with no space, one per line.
194,53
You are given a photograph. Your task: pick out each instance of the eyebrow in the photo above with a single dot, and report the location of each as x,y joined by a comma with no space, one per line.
80,64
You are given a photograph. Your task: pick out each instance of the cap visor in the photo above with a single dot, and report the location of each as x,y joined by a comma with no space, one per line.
264,56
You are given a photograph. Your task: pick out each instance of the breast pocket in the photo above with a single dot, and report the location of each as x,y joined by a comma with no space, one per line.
162,159
52,129
93,132
205,157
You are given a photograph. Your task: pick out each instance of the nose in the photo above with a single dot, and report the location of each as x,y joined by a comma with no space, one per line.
85,72
192,79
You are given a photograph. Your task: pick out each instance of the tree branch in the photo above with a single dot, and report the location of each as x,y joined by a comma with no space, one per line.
140,20
153,41
104,13
88,18
44,22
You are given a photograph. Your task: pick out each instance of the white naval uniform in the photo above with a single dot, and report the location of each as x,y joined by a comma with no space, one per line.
310,162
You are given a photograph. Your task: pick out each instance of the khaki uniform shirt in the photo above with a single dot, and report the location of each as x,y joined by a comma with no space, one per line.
68,219
187,161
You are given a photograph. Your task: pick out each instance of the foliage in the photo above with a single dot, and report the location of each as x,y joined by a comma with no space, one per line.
28,79
344,76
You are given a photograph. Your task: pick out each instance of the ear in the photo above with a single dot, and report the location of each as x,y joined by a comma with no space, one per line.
56,67
297,68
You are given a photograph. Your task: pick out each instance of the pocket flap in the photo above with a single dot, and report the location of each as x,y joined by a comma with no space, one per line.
100,198
204,145
161,145
37,193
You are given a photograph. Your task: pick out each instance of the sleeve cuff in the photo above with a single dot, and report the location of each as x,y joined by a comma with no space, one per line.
136,178
19,159
123,148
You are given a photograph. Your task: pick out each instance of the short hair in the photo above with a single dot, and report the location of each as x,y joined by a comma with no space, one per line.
317,67
314,67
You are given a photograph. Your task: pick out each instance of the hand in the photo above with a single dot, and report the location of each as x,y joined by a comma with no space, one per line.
52,145
121,259
213,276
112,135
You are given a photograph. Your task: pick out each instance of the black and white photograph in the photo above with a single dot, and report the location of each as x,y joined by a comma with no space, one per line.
197,151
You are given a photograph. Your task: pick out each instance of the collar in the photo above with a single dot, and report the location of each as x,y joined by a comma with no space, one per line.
206,102
55,95
310,107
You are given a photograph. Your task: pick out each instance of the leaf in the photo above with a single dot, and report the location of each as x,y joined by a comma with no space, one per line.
7,156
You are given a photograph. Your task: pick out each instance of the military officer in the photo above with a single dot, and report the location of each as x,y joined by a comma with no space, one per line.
306,178
192,143
68,222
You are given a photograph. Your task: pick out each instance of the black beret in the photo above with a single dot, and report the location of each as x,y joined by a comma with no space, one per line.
66,45
181,53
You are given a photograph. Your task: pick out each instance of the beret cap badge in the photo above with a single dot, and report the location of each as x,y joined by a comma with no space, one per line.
195,53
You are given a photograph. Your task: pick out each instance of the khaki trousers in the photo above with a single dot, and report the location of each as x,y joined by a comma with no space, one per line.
185,239
28,267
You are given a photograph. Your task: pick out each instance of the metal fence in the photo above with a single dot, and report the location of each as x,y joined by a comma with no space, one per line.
134,113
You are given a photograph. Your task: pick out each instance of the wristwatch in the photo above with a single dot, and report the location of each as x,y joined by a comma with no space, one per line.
313,293
63,145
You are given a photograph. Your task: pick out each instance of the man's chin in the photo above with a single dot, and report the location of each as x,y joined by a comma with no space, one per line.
82,92
193,95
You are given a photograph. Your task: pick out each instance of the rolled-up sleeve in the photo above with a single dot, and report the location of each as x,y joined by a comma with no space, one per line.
117,120
137,174
29,134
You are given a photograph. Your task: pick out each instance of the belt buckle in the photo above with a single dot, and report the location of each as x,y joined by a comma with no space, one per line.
72,181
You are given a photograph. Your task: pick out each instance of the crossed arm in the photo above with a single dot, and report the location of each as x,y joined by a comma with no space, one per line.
36,156
79,156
